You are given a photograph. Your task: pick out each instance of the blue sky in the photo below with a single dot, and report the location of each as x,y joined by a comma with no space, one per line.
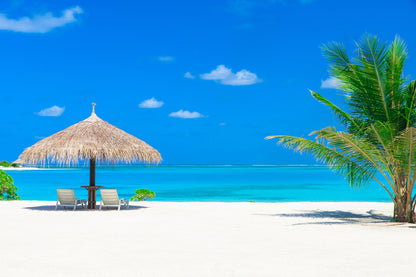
218,76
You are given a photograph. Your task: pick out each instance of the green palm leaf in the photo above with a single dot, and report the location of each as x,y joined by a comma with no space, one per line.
357,174
345,118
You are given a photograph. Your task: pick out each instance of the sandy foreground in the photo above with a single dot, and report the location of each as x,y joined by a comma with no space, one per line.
205,239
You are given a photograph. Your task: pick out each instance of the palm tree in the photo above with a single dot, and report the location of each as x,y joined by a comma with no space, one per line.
377,140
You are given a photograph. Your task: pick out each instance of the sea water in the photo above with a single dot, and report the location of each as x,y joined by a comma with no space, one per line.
201,183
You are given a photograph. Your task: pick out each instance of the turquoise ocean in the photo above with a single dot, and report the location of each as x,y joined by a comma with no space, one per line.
201,183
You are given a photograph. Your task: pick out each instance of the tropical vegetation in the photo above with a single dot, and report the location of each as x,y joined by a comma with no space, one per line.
7,188
143,195
8,164
376,140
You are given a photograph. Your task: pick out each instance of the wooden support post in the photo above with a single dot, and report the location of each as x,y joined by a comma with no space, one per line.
92,192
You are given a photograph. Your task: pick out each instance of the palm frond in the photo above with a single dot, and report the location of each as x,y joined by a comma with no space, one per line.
357,174
357,83
403,148
372,57
347,120
337,55
409,106
358,149
394,80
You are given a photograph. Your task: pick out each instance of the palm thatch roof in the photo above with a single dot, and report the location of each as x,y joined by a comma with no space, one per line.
89,139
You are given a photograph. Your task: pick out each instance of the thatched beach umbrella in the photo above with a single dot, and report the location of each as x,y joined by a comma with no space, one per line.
92,140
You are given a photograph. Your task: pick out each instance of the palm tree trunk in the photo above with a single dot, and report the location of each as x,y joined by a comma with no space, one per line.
403,211
403,208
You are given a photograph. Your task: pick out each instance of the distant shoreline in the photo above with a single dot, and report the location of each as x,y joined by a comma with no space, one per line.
21,168
52,167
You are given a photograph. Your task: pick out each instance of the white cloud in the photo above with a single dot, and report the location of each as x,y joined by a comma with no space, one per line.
331,82
52,111
186,114
220,73
39,23
225,76
151,103
222,124
188,75
166,58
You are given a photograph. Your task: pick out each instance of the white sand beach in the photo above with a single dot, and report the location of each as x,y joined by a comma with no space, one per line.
206,239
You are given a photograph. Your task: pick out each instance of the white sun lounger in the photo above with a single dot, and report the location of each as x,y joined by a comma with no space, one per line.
66,198
109,198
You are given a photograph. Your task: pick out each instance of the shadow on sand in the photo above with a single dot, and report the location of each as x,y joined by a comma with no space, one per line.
339,217
80,209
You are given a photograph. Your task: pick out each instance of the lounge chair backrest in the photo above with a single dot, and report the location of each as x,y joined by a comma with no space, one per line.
109,196
66,196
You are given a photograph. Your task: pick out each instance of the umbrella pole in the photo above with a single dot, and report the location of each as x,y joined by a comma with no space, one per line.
92,192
